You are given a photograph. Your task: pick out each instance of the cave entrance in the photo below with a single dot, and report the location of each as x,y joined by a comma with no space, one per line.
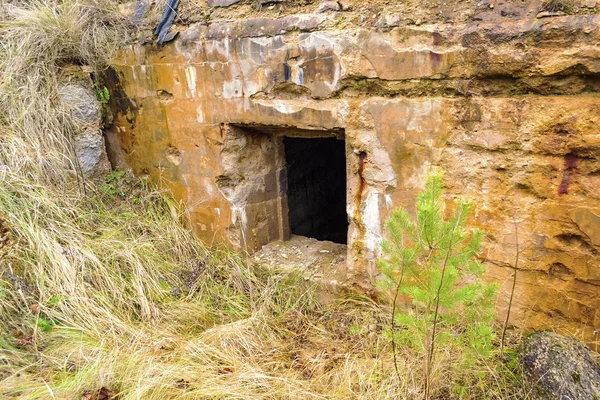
316,187
284,181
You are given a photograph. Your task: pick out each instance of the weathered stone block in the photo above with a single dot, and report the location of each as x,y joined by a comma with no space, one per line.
559,367
81,101
91,153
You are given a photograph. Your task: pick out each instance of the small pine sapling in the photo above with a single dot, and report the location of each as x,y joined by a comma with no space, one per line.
430,261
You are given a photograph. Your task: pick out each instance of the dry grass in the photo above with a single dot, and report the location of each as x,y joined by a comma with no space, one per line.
105,287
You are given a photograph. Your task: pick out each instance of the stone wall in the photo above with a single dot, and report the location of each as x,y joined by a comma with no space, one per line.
510,110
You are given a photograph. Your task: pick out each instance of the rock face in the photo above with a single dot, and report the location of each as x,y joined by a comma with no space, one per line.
88,144
507,104
328,6
82,103
91,153
559,367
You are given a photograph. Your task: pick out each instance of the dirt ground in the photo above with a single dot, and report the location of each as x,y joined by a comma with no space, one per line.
322,262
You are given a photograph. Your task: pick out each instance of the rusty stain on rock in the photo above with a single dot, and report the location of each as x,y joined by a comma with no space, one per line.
569,171
362,156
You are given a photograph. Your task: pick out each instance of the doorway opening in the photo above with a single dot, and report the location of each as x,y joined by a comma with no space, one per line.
316,188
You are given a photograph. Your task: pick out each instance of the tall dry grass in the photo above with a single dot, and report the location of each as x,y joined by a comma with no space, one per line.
105,287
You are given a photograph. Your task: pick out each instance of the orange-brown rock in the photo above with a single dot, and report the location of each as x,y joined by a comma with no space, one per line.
510,110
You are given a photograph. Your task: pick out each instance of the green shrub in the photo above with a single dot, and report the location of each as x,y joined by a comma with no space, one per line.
430,261
102,94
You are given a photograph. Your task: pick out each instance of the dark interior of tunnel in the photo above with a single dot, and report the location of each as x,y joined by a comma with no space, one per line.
316,181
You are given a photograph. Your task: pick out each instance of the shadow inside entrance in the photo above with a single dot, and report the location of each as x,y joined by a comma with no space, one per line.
316,188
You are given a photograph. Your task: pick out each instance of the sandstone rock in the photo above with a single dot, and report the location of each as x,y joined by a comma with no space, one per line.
82,103
509,108
222,3
91,154
559,367
328,6
547,14
590,3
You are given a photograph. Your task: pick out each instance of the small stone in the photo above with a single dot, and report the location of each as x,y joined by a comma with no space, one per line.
91,153
222,3
170,36
547,14
491,6
418,22
590,3
328,6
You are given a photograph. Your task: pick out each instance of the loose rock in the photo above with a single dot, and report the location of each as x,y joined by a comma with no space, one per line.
222,3
547,14
328,6
82,103
559,367
91,154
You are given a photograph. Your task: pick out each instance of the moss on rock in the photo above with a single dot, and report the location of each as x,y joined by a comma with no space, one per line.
559,367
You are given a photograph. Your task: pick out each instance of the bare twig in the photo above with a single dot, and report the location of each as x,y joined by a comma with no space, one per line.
394,303
514,283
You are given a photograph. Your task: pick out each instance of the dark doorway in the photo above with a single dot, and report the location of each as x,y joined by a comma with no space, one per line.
316,182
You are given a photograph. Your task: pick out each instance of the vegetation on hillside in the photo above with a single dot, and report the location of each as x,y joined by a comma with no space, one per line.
432,261
104,292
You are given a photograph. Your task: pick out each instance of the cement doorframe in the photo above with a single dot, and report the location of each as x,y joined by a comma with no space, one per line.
254,180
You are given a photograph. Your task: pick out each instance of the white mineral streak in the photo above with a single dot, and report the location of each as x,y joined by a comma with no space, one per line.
372,223
233,88
388,201
287,108
238,215
418,111
200,114
190,76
